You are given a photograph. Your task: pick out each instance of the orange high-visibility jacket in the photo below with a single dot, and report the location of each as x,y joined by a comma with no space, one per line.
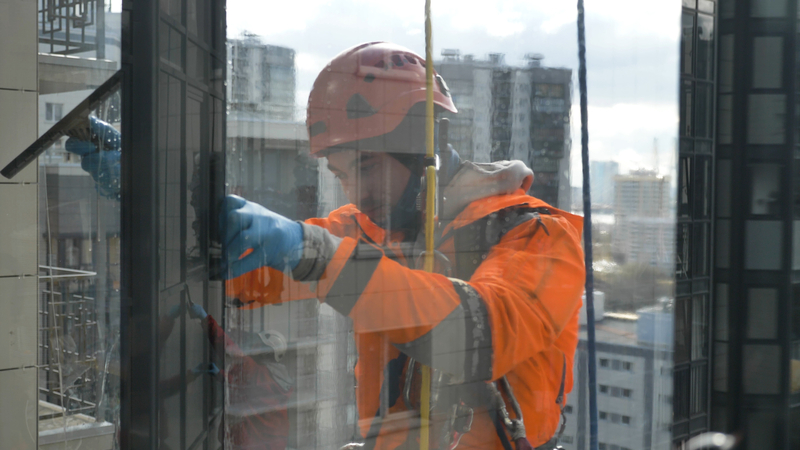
517,315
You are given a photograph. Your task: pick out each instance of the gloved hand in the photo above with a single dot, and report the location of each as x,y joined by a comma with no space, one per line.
175,311
209,368
103,166
197,312
272,240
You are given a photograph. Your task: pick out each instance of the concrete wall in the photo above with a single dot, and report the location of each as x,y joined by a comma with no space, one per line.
18,243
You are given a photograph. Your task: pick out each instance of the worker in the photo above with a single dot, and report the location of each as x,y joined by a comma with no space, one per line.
497,321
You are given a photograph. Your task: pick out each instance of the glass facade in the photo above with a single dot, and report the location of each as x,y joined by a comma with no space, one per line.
222,243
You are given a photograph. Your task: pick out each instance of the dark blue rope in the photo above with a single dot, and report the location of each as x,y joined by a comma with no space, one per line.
587,230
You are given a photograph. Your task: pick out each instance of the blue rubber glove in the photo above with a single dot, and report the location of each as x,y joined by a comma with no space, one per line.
275,241
209,368
175,311
103,166
197,312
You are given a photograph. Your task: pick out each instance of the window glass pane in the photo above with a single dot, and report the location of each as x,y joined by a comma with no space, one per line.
723,189
700,250
683,329
722,239
768,8
684,187
702,188
705,5
763,244
703,110
687,43
765,119
767,62
699,390
699,327
765,179
725,81
721,366
762,313
725,119
687,121
705,46
761,430
727,9
761,369
721,308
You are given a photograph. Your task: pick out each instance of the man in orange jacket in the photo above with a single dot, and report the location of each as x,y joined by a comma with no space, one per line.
497,321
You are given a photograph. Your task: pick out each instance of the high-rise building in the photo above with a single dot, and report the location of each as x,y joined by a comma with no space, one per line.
643,226
634,381
513,112
261,78
602,177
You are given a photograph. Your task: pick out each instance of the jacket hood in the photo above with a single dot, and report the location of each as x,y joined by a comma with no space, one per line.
475,181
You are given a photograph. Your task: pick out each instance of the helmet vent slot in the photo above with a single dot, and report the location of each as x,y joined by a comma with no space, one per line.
369,78
397,61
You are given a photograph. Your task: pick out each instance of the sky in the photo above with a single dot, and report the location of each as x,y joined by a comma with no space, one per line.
632,55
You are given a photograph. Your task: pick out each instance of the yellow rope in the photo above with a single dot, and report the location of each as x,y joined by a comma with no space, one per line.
430,176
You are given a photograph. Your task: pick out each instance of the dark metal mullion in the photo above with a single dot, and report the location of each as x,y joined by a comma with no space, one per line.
139,277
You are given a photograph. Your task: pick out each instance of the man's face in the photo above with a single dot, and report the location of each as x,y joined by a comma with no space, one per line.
373,181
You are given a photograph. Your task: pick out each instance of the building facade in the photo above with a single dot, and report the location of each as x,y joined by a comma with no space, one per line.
643,224
513,112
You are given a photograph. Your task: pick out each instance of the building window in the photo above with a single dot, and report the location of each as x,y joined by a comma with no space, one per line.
626,420
603,362
603,415
627,393
53,112
627,366
603,389
568,409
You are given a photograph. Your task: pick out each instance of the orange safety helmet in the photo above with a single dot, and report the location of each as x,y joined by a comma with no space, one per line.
366,91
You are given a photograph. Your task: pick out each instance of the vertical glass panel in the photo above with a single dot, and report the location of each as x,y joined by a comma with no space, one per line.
699,391
722,243
685,187
687,43
721,311
683,256
686,118
727,9
762,313
766,116
768,8
683,329
725,119
690,3
705,46
761,369
680,399
721,366
706,6
699,327
761,430
725,81
765,181
700,250
796,245
763,245
723,189
509,103
767,62
702,187
55,55
703,112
